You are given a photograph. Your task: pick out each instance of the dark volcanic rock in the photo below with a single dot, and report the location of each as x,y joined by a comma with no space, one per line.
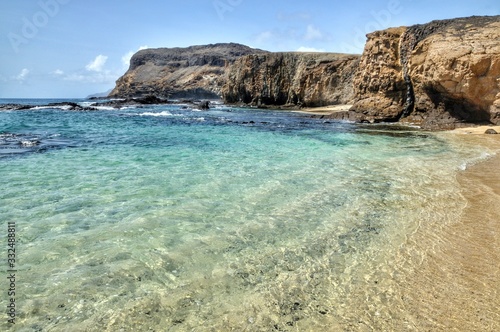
17,107
118,103
70,106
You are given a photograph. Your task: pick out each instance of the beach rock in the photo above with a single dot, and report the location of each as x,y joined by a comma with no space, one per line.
179,73
305,79
118,103
491,132
437,74
69,106
16,107
204,105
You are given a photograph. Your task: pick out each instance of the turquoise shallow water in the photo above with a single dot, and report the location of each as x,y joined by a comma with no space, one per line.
172,219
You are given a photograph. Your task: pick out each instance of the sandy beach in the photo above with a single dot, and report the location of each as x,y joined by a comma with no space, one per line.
457,285
479,130
323,110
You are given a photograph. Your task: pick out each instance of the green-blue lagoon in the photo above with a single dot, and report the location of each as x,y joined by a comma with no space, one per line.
166,218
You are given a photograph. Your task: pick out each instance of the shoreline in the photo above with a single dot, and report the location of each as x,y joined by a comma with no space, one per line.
456,286
323,110
475,130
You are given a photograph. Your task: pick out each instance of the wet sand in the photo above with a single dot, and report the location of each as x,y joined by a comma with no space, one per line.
476,130
324,110
456,287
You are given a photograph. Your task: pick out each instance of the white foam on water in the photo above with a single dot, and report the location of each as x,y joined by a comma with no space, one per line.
61,107
162,113
105,108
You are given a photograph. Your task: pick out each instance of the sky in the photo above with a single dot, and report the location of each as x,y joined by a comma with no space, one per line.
74,48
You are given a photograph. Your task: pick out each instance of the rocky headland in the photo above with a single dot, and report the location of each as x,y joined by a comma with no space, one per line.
439,75
175,73
442,74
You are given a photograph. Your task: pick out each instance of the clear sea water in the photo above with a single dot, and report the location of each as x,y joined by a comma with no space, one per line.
167,218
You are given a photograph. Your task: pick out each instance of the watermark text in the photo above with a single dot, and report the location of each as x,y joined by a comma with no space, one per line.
11,272
33,24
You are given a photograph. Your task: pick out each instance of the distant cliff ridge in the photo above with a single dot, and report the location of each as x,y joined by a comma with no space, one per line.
191,72
439,75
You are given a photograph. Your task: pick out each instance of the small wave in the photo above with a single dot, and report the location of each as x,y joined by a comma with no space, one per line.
61,107
484,156
104,108
163,113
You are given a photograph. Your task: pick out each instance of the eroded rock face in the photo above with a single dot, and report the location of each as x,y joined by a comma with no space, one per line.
379,84
191,72
306,79
439,74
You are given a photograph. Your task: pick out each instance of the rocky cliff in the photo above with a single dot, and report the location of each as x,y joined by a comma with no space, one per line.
440,74
306,79
191,72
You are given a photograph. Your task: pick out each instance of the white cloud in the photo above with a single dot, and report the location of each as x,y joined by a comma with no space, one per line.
313,33
309,49
98,63
126,58
22,75
97,77
264,37
294,16
58,72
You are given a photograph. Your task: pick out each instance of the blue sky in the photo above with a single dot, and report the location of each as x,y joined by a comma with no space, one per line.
73,48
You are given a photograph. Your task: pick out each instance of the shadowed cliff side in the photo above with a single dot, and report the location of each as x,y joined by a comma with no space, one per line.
292,79
191,72
439,75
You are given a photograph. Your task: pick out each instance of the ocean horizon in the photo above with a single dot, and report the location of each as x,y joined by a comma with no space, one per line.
166,217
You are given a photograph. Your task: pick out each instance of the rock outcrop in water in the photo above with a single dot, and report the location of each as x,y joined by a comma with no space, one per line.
439,74
191,72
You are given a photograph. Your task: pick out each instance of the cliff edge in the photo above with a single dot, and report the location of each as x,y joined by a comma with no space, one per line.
294,79
438,75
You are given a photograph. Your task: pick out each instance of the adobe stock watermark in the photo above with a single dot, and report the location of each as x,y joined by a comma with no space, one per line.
382,19
224,6
32,25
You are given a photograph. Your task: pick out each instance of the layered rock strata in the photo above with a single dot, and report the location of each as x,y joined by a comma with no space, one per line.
293,79
440,74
